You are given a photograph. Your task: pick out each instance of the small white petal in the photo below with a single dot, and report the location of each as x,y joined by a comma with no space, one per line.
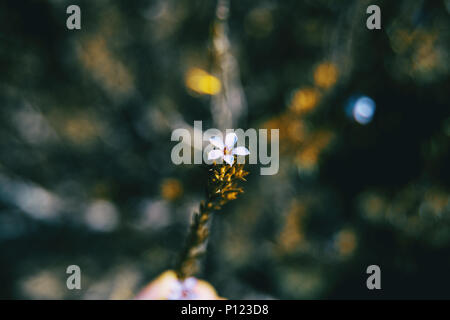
240,151
229,159
215,154
189,283
230,140
217,142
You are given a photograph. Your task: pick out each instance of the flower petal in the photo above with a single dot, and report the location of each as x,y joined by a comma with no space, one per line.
229,159
240,151
217,142
190,283
215,154
167,286
230,140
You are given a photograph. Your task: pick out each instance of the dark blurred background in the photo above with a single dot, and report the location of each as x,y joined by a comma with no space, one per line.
86,118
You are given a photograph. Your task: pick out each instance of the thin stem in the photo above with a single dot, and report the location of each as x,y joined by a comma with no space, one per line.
223,179
196,244
222,188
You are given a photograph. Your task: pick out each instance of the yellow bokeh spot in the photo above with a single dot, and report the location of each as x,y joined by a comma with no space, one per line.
96,57
296,131
79,128
202,82
322,139
171,189
307,158
305,100
325,75
346,242
401,40
292,236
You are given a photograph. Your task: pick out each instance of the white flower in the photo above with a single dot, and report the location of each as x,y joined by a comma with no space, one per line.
226,151
183,289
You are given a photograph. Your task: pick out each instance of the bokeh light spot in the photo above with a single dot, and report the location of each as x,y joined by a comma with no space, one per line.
305,100
346,242
202,82
361,109
325,75
171,189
